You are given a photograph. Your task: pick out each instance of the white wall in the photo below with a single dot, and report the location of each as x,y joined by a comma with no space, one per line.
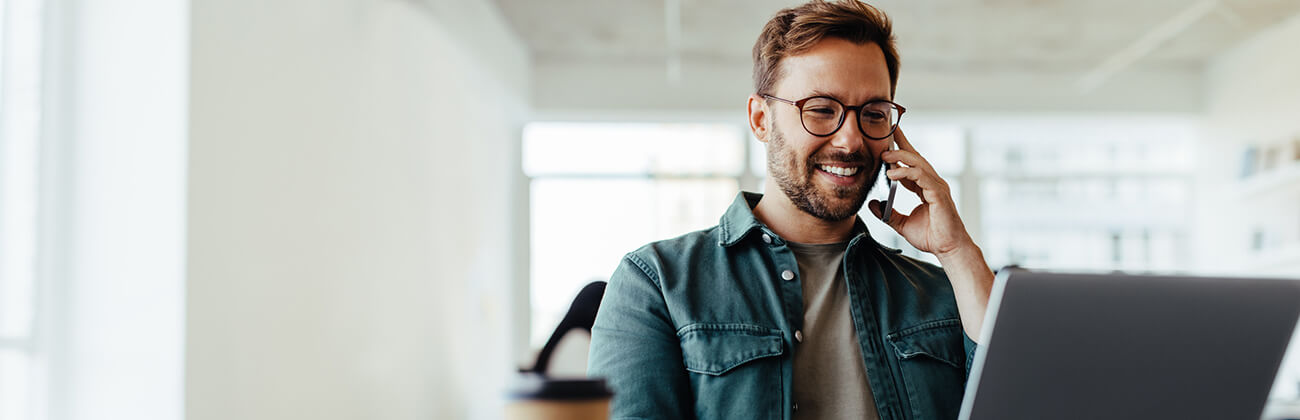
354,169
1253,96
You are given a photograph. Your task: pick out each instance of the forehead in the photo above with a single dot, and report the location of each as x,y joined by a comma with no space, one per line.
852,73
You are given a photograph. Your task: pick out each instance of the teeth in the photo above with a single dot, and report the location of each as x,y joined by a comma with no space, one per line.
841,171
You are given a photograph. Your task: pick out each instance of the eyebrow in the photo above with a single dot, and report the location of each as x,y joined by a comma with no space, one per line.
817,92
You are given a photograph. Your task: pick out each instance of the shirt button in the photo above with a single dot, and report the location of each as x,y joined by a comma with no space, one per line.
767,238
787,274
798,336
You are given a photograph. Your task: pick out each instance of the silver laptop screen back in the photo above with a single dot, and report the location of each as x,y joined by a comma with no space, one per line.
1080,346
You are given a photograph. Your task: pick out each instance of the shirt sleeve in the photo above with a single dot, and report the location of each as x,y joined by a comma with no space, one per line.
635,348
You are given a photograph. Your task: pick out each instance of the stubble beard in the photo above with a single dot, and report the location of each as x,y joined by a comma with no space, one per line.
841,202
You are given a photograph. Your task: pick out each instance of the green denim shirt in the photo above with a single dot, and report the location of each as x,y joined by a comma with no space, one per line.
703,326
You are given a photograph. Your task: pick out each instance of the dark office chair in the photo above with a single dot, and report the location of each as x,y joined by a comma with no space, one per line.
582,314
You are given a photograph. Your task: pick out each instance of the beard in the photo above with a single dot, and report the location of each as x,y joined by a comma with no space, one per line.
796,181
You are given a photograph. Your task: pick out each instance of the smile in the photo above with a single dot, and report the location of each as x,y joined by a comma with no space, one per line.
839,170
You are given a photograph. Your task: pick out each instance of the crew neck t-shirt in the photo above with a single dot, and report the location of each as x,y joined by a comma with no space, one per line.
830,378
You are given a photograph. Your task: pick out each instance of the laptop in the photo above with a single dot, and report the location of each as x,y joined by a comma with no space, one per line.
1116,346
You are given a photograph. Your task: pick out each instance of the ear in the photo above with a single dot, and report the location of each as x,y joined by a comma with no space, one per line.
758,118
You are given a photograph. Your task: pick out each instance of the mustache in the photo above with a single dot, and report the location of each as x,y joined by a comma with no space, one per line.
840,157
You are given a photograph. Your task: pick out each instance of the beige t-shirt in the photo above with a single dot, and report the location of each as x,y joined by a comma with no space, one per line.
830,379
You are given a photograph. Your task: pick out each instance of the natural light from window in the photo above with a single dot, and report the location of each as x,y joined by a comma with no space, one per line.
21,357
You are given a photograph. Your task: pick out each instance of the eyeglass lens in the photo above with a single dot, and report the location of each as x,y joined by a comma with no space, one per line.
823,116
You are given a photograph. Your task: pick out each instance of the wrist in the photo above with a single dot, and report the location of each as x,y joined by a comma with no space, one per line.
963,253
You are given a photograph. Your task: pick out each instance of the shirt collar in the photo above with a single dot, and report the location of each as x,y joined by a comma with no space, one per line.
739,221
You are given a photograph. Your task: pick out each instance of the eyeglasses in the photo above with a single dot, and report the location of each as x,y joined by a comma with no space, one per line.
824,115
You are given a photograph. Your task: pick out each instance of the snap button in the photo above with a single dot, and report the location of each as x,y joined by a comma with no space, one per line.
787,275
767,238
798,336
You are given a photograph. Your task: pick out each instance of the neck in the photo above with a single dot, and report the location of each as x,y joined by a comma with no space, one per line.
789,222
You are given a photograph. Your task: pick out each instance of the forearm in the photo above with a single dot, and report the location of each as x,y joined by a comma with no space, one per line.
972,281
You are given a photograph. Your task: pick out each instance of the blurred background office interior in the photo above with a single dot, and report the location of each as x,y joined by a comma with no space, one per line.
378,209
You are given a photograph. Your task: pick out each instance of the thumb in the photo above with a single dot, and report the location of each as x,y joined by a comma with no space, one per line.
874,206
895,218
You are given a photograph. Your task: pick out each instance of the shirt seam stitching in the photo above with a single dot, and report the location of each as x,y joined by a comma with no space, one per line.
645,270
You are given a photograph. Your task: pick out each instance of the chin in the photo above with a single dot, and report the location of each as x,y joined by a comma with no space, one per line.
847,205
836,209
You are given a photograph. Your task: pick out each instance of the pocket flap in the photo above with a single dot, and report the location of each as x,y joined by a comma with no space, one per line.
714,349
940,340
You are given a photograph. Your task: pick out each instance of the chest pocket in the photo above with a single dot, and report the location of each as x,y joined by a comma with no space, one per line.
932,360
735,369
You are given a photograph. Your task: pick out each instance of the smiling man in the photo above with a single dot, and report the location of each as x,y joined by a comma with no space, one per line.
788,308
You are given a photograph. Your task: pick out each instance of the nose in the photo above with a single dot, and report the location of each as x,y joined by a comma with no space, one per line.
849,138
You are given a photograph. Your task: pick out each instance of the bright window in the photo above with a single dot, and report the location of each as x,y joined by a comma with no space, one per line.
601,190
606,149
21,357
1086,193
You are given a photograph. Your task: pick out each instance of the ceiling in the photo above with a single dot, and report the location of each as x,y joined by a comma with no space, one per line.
1070,39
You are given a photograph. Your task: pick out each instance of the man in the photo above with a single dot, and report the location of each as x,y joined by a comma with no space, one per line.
788,308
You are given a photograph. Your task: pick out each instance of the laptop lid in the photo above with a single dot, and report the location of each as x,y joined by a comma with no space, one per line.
1113,346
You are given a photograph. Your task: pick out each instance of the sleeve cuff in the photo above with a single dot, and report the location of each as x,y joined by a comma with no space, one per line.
970,346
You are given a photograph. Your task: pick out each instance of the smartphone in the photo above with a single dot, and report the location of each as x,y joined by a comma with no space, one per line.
888,209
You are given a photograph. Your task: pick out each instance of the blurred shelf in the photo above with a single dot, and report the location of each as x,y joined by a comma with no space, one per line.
1274,181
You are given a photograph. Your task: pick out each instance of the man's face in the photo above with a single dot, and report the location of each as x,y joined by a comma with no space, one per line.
827,177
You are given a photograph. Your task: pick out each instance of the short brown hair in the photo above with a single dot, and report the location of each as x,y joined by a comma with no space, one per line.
797,29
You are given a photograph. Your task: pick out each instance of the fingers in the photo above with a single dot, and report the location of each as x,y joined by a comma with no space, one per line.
929,187
902,142
905,157
920,177
896,220
910,185
906,153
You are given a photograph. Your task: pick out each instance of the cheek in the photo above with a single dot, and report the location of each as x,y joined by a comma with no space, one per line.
795,143
791,121
801,154
875,152
879,146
